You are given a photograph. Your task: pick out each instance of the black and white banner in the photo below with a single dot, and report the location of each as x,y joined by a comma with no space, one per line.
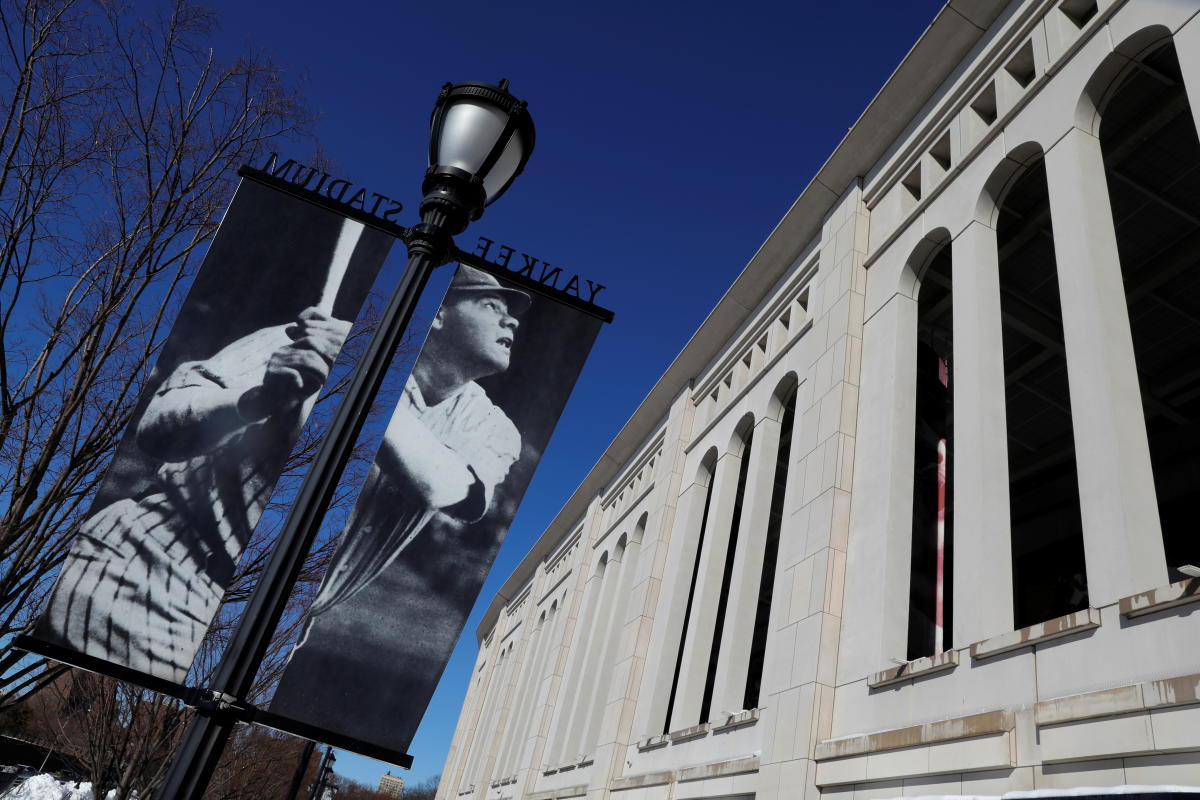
237,377
476,413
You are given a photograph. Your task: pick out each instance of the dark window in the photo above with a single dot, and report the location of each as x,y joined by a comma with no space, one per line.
931,574
766,587
1152,162
1049,578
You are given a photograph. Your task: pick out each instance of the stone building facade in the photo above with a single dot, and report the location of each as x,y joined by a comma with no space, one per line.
750,593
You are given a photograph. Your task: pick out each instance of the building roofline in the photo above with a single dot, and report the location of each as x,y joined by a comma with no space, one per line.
952,34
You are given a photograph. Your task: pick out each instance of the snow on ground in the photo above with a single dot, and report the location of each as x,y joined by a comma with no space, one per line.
46,787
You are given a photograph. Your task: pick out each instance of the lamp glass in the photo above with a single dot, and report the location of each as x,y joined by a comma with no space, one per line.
504,168
469,132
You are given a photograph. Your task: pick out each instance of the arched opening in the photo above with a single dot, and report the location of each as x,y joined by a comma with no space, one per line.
704,476
1152,165
1049,576
786,395
931,574
743,443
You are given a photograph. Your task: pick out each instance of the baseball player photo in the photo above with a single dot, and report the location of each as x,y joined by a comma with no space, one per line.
470,426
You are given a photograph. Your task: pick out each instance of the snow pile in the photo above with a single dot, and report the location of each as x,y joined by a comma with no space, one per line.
46,787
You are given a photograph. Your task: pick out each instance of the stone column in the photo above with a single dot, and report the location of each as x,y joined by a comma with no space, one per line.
1121,532
595,656
729,689
551,697
666,636
611,620
879,553
983,601
560,750
702,623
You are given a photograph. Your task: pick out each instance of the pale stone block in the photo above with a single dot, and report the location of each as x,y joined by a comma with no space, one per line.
1079,773
913,669
942,784
777,666
713,787
832,792
1176,728
845,468
853,360
1115,654
823,372
820,523
841,771
827,656
997,782
813,468
1161,599
804,435
1174,769
881,790
831,469
898,763
839,530
831,413
793,533
841,354
782,744
807,651
1093,704
1172,691
849,418
1067,625
981,752
1128,733
798,599
819,571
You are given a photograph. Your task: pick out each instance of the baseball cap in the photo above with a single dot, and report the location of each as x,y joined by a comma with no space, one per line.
469,279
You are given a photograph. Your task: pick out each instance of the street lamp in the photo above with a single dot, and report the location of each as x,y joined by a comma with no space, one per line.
480,139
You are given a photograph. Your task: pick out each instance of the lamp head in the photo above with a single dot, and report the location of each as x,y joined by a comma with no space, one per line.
479,140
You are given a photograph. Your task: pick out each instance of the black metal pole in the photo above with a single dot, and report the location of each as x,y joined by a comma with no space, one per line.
301,768
209,731
322,773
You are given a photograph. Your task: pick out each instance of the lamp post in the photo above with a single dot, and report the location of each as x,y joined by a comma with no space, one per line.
480,139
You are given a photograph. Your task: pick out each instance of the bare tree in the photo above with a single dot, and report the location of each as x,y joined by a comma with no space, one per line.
119,141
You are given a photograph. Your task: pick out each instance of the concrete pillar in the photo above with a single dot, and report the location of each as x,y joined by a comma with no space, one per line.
878,558
559,750
611,620
983,601
729,689
1121,533
701,626
1187,48
530,675
595,656
665,638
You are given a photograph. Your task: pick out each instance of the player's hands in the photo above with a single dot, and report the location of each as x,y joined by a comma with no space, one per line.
299,369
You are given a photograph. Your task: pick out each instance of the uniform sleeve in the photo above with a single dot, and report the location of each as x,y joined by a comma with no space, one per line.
493,455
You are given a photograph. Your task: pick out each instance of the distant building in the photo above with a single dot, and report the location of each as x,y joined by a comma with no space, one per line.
391,785
914,511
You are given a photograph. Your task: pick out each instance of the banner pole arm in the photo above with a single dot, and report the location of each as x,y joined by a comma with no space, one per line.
206,736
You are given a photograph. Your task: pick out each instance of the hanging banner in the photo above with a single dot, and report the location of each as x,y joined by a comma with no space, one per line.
483,398
237,377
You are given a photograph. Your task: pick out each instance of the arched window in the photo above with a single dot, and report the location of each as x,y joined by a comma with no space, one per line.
1152,163
931,575
707,468
1049,576
766,588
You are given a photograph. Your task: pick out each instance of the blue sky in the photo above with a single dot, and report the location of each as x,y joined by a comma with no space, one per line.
671,138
